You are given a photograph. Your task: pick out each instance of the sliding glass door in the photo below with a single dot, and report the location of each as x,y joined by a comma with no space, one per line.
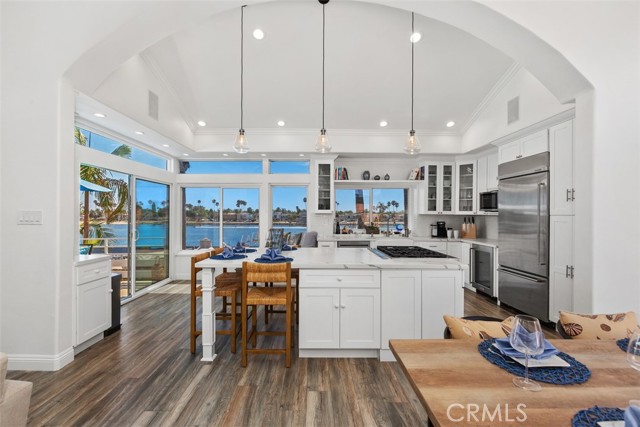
150,234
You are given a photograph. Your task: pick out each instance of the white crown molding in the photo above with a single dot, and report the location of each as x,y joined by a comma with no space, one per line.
310,132
506,77
40,362
157,72
542,124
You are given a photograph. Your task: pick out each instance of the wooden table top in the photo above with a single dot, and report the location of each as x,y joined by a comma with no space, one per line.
451,379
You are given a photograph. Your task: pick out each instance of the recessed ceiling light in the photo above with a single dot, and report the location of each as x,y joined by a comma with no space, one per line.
102,116
383,123
415,37
165,145
280,123
225,155
139,132
185,154
258,34
263,155
202,123
451,124
301,155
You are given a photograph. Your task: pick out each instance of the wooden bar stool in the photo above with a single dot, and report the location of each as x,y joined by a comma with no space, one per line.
228,285
266,296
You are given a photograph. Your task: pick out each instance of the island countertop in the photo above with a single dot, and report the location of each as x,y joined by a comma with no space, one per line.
338,258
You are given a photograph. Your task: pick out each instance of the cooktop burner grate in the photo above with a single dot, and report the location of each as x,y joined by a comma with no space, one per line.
410,252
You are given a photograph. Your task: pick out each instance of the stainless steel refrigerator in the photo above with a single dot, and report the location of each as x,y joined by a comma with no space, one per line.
523,229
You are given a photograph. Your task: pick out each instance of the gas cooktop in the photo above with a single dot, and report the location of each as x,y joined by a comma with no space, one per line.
410,252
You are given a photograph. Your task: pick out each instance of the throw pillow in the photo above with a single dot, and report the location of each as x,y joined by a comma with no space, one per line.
477,329
598,326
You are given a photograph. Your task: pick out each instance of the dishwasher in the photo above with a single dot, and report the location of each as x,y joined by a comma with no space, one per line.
353,243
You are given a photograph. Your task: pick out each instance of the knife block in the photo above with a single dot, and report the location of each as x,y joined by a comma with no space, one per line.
468,232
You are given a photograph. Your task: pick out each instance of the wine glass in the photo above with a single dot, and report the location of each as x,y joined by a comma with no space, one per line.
527,338
633,350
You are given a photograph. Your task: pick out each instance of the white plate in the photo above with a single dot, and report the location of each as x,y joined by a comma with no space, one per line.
611,423
550,362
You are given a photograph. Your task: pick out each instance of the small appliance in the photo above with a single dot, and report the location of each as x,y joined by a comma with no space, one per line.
489,201
441,231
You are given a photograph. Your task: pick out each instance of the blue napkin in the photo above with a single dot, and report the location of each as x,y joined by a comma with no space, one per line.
288,248
238,247
504,346
272,255
632,416
227,252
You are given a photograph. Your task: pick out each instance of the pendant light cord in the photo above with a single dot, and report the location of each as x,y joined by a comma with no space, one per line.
242,66
323,19
412,46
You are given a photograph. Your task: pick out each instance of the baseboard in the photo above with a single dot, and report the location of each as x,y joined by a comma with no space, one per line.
88,343
387,356
338,353
40,362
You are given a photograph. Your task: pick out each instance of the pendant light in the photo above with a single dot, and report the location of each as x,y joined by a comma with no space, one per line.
413,145
323,146
241,146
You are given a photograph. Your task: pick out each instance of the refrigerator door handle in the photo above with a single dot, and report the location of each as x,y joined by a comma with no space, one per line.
522,276
540,188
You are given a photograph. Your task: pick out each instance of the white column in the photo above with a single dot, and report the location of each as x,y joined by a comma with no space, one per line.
208,316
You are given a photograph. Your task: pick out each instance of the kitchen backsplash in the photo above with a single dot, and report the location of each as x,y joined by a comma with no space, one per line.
487,225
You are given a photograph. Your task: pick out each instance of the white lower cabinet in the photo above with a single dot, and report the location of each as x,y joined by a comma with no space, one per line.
465,258
434,246
93,299
414,301
339,309
454,249
442,294
560,265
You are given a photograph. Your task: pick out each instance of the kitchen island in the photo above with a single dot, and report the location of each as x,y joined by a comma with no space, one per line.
352,301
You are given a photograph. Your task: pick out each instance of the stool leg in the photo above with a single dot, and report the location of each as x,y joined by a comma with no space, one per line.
244,333
254,324
192,333
232,336
288,342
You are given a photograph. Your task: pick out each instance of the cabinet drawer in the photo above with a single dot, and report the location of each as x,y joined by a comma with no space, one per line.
435,246
93,271
340,278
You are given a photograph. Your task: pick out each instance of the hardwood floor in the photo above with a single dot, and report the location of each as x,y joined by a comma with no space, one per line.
145,375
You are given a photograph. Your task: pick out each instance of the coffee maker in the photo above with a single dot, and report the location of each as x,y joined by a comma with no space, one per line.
441,231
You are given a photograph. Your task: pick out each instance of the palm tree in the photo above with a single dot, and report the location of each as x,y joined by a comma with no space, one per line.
112,203
238,204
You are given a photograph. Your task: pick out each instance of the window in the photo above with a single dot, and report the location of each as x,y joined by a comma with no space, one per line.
117,148
222,167
289,209
241,219
201,216
382,209
277,166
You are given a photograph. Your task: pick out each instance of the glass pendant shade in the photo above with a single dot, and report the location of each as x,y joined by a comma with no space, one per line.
413,145
323,146
241,146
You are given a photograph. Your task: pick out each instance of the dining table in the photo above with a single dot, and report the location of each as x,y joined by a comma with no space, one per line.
458,387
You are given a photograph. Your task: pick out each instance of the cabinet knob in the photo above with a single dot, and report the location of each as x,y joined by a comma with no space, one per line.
343,306
339,279
336,306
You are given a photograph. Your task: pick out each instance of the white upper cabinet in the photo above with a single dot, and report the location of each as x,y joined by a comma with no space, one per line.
324,187
438,189
466,193
492,171
561,153
527,146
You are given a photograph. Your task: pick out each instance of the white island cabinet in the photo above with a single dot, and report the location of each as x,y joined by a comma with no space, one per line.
339,310
414,301
92,299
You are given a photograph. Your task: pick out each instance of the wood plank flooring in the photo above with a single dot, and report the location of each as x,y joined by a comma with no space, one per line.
145,375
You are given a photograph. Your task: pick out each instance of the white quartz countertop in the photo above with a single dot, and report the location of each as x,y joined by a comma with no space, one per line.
343,258
89,259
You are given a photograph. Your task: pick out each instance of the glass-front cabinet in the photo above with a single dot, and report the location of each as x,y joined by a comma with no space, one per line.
324,189
466,187
439,182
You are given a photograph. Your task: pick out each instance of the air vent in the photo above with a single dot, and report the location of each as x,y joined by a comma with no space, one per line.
153,105
513,110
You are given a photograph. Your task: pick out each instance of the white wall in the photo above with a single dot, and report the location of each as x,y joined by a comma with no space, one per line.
536,104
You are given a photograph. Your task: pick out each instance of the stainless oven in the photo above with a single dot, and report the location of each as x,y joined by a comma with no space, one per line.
482,269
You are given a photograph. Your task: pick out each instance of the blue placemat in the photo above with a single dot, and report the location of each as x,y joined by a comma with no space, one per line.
231,258
576,373
269,261
591,416
244,251
623,344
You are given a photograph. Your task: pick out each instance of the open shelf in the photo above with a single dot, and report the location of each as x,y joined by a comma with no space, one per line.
378,183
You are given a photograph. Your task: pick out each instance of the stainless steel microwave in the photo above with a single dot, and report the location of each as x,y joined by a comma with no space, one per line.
489,201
